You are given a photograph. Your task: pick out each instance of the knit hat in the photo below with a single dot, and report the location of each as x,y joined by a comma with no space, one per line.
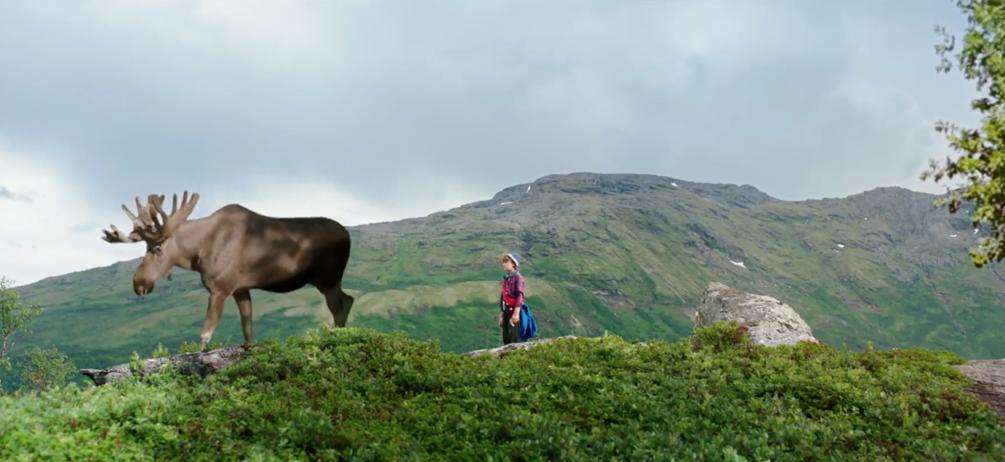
512,256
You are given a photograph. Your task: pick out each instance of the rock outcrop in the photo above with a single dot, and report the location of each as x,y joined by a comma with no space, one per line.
208,362
988,377
201,363
768,320
511,347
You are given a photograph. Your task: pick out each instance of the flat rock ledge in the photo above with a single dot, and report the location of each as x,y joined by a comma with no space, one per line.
988,376
511,347
208,362
200,363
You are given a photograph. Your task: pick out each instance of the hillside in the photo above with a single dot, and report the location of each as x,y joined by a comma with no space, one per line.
628,254
340,394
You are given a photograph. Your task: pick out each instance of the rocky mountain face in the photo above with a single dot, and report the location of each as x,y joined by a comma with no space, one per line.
884,265
628,254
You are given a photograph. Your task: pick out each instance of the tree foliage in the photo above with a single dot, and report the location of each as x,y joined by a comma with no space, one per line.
45,368
981,165
15,315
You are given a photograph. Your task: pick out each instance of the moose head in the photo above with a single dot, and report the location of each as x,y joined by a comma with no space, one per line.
157,228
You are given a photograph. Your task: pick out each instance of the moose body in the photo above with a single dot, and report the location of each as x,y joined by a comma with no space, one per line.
236,250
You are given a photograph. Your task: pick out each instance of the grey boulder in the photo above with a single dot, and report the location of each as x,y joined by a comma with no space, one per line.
768,320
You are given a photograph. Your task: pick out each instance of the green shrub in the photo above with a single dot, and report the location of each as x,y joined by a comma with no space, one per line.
190,347
360,394
721,336
46,367
160,352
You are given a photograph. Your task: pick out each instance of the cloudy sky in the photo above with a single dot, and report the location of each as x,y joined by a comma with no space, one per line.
369,111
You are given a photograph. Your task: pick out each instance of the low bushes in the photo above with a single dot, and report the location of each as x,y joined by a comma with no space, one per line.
361,394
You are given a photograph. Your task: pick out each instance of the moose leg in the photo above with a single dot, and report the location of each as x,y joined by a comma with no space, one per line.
243,300
213,312
339,303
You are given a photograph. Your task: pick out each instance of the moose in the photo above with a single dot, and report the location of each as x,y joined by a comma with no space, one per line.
236,250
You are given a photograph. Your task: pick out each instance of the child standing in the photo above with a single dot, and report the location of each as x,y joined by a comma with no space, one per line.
511,299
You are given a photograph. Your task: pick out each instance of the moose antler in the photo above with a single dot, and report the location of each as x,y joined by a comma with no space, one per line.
178,214
150,222
115,236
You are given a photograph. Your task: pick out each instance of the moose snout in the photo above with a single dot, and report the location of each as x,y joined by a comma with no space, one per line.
142,287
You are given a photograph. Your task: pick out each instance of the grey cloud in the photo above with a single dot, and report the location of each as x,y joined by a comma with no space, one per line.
393,100
9,195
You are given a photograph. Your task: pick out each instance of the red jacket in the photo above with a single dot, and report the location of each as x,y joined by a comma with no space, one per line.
512,291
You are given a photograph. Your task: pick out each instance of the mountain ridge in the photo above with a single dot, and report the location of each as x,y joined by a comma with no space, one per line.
624,253
500,195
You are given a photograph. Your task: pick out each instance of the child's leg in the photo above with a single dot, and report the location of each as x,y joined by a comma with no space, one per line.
511,334
503,326
507,337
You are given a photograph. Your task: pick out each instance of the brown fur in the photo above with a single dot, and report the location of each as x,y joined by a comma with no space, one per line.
236,250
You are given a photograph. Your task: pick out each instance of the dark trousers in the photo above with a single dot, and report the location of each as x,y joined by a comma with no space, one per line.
510,334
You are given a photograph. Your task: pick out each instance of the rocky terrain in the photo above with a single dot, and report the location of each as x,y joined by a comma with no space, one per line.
988,377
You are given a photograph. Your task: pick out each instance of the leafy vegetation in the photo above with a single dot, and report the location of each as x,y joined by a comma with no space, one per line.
45,368
981,165
360,394
15,317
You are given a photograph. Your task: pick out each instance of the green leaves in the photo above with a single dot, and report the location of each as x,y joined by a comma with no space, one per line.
360,394
15,316
981,165
46,367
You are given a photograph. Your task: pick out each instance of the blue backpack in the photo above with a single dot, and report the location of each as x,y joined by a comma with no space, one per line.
528,326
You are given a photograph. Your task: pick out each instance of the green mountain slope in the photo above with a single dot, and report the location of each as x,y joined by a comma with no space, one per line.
629,254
